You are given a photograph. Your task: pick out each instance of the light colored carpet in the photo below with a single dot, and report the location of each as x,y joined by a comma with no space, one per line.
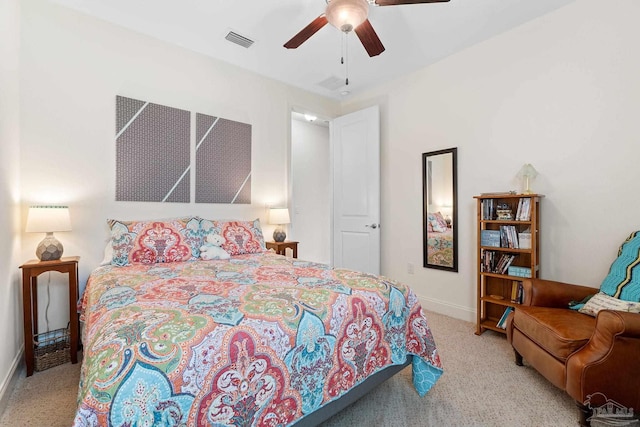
481,387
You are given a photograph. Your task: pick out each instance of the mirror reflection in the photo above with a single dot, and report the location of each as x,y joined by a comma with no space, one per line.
439,176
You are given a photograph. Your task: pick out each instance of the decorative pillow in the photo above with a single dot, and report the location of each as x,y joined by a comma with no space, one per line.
240,237
108,254
602,301
159,241
437,222
441,221
623,280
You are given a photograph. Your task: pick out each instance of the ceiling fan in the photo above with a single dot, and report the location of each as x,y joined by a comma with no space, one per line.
351,15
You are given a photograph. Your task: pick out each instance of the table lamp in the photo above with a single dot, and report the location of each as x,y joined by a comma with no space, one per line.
447,210
527,172
48,219
279,216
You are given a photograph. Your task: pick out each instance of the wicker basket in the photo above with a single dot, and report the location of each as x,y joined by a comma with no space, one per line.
626,422
52,349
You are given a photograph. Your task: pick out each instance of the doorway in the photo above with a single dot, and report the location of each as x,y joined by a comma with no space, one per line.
310,187
335,189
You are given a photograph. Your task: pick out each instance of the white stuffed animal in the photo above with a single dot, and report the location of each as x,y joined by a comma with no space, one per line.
212,248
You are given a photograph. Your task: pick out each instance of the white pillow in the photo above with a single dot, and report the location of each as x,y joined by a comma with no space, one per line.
602,301
108,254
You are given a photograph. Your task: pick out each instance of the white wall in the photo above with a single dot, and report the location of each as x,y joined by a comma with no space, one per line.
561,92
310,213
10,295
72,68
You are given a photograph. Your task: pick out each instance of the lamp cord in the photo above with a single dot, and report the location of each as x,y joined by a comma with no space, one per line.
46,310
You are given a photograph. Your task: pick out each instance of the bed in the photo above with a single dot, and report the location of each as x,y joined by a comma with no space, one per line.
257,339
440,247
439,241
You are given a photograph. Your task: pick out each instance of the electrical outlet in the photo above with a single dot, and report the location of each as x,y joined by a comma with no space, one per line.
410,268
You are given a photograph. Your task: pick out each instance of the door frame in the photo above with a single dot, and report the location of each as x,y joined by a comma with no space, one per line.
289,173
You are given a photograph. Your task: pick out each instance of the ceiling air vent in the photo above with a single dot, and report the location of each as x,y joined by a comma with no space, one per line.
236,38
332,83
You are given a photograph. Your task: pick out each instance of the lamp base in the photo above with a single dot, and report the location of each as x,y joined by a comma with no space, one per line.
49,249
527,189
279,235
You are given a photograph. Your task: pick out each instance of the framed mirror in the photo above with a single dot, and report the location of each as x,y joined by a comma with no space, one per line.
440,209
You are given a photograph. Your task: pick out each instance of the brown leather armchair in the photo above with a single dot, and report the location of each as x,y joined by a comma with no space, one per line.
576,352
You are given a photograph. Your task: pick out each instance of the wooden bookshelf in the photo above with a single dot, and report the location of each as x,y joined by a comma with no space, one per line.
502,268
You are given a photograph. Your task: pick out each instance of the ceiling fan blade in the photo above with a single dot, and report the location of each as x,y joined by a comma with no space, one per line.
369,38
306,32
397,2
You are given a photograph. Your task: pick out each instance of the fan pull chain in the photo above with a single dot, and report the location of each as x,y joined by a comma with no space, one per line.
347,61
345,58
342,48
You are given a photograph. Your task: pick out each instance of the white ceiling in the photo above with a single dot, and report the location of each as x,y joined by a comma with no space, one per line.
414,35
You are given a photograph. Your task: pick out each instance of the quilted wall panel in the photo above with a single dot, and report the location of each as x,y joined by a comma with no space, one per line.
223,160
152,152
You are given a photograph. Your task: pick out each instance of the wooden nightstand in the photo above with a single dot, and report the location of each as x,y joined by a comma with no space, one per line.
281,247
30,272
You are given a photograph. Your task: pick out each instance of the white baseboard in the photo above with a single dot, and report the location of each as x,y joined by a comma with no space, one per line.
446,308
6,389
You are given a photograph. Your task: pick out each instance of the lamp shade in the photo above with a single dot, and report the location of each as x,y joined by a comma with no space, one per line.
346,15
279,216
527,171
47,219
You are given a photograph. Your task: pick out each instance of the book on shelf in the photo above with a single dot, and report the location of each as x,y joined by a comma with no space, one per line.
503,212
516,292
488,209
524,209
508,237
520,293
498,193
491,263
524,239
502,323
487,261
503,263
518,271
490,238
519,210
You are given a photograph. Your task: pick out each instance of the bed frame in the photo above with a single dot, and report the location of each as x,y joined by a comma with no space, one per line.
352,395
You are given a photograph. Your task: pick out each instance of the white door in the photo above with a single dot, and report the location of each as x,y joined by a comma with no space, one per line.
355,173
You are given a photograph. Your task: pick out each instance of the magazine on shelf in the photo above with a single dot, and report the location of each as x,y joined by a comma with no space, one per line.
490,238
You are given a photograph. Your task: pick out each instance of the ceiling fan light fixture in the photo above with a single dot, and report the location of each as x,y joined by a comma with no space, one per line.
346,15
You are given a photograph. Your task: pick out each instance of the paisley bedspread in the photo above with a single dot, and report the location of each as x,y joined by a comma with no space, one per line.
440,248
258,340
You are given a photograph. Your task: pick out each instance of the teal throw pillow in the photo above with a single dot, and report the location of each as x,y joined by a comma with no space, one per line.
623,280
